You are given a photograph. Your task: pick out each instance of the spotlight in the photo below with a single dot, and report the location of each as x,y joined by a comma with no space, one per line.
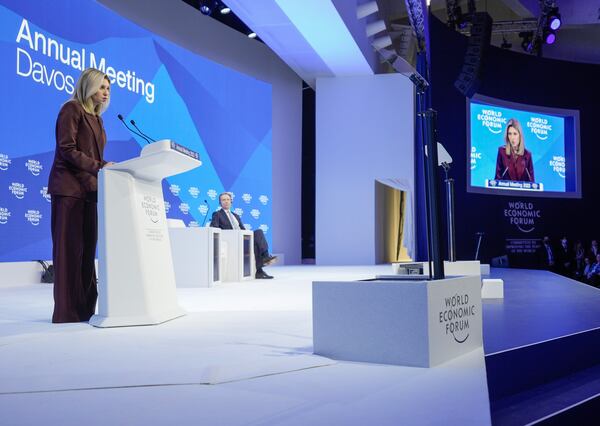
527,42
252,35
549,37
205,10
554,19
225,10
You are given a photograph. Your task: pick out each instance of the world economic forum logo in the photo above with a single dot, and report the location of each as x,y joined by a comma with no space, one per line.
4,215
558,165
4,161
203,209
255,213
194,191
540,127
454,316
18,189
167,206
238,211
247,198
193,224
492,120
522,215
33,217
174,189
34,167
264,227
248,226
184,208
474,157
263,200
44,193
212,194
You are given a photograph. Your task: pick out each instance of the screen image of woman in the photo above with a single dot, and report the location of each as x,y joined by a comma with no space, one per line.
514,162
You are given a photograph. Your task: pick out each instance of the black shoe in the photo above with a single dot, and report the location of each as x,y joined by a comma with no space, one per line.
268,260
262,275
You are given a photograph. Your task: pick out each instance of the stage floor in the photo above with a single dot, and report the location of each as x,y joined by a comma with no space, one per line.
537,306
242,356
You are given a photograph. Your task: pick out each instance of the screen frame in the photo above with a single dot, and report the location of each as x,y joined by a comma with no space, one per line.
560,112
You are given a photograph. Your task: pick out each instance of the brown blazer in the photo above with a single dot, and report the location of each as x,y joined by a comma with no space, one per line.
80,141
514,167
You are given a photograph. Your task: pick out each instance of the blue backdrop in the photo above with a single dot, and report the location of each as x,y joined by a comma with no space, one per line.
171,93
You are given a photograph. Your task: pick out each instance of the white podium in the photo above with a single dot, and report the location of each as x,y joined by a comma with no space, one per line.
136,283
196,256
238,255
411,323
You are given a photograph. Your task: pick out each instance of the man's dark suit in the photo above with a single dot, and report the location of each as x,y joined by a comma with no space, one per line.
80,141
261,248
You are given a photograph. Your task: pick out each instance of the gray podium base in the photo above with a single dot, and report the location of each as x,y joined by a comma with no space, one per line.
412,323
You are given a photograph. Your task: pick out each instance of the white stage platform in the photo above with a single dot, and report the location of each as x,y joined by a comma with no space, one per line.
242,356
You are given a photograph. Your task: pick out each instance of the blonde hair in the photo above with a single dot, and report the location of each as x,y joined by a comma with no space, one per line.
514,123
88,84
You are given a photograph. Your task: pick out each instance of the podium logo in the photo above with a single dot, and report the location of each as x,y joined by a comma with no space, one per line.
203,209
193,224
175,189
151,207
4,215
247,198
212,194
194,191
264,227
33,217
4,161
238,211
255,213
454,316
184,208
492,120
34,167
539,127
18,190
522,215
167,206
263,199
44,192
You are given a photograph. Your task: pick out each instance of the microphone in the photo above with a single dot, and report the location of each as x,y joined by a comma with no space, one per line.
138,129
530,180
120,117
207,211
505,170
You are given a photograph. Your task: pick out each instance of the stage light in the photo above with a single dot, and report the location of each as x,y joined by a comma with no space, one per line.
225,10
549,37
527,42
205,10
554,19
252,35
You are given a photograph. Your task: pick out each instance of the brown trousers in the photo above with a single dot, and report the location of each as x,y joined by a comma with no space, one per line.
74,235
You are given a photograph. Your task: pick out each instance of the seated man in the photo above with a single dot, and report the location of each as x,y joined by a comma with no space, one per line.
224,218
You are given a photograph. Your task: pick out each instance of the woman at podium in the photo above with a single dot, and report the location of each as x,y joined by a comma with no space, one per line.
80,141
514,162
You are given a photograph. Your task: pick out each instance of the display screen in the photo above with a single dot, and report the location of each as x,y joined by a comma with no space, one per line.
515,148
170,92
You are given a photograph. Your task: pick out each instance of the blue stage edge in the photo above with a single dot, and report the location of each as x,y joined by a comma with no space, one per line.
542,347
